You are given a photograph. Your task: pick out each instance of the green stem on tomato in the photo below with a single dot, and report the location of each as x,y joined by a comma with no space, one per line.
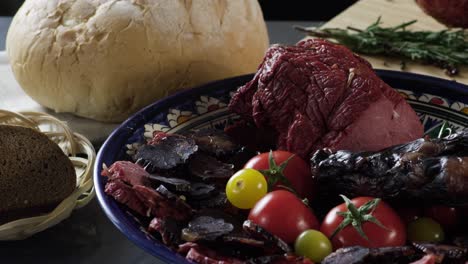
275,174
357,216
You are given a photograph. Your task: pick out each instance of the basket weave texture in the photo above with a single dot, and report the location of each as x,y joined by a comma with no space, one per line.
81,153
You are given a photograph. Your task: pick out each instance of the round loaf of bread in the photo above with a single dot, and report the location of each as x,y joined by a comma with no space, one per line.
35,174
107,59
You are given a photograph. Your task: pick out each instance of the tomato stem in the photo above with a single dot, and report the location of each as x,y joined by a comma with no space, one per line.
357,216
275,174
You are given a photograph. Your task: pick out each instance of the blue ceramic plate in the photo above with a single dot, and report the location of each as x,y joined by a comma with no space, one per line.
435,101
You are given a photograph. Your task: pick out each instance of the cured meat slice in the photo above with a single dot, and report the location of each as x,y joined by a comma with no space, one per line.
124,194
161,206
127,172
165,152
362,255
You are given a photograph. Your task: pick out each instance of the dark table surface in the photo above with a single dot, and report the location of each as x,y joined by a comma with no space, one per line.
88,236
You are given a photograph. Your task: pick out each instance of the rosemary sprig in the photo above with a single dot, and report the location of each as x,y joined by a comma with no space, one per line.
447,49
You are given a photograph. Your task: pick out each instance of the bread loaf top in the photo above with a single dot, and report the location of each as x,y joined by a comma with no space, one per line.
107,59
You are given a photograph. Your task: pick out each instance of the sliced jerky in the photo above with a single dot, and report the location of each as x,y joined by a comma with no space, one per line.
172,183
170,195
461,241
161,206
192,190
219,202
279,259
240,158
243,239
415,172
200,191
427,259
125,194
178,202
201,254
185,247
236,245
362,255
208,256
447,253
206,228
241,245
273,243
169,230
165,152
128,172
217,213
215,142
209,169
208,225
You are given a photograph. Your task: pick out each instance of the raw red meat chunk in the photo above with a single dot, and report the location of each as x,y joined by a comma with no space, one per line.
319,94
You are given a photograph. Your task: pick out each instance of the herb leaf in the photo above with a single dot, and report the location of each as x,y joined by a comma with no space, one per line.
447,49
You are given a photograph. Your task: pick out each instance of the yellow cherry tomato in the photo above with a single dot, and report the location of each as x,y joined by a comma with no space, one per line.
245,188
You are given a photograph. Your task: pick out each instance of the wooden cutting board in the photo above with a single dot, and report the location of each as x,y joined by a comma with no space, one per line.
392,13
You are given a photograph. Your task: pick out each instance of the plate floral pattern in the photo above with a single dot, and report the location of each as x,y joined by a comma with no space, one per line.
437,103
433,111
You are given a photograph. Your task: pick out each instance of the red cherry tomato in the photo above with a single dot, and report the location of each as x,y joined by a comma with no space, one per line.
446,216
297,171
394,233
284,215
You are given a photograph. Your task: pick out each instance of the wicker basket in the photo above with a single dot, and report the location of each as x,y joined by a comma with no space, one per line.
72,144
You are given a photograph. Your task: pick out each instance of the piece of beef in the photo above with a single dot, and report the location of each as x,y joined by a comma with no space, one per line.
185,247
165,152
217,213
161,206
209,169
362,255
280,259
125,194
319,94
200,191
273,244
444,253
200,254
240,245
461,241
127,172
244,239
224,233
169,230
409,172
172,183
205,227
427,259
177,201
244,245
218,201
215,142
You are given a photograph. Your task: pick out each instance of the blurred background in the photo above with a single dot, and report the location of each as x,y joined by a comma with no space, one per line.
272,9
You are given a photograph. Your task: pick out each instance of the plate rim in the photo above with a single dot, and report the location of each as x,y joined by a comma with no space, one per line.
135,121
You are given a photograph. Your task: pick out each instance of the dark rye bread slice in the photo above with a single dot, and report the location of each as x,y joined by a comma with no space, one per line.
35,174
